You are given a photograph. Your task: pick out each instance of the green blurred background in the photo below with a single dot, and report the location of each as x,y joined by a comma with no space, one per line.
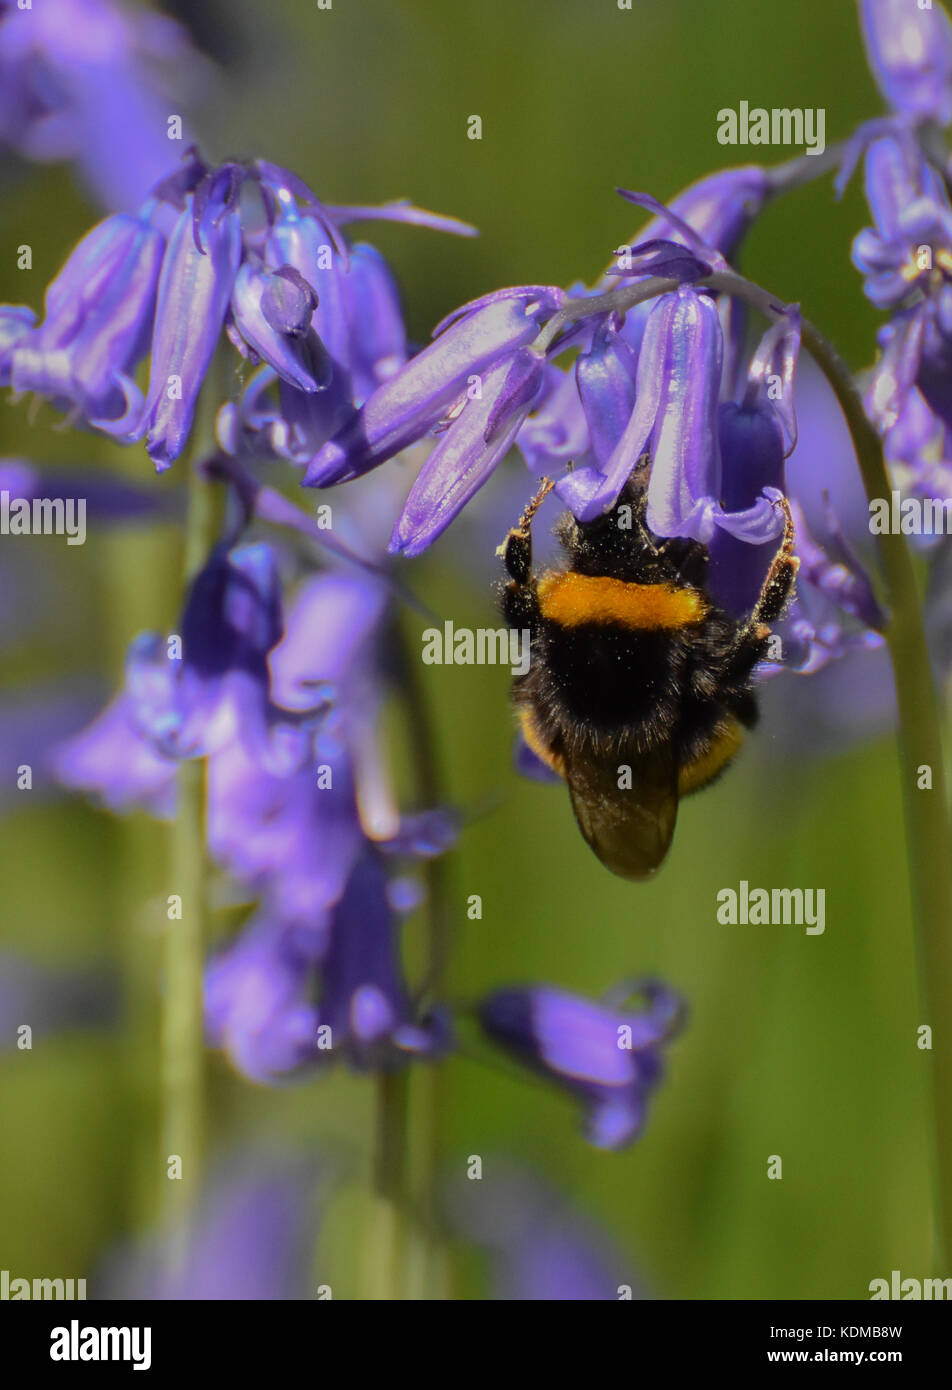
798,1046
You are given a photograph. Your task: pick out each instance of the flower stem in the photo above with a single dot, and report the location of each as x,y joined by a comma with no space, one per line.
181,1033
803,169
928,838
387,1246
430,1079
928,833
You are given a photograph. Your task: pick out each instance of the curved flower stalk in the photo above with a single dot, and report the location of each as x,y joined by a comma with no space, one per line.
196,263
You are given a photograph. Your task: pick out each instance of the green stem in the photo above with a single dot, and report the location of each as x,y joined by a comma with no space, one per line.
387,1262
928,836
407,1263
430,1079
182,1034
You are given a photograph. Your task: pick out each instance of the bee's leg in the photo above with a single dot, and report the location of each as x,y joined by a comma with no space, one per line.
516,549
751,643
780,578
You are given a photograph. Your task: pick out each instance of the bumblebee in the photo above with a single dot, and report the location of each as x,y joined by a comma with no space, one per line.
639,686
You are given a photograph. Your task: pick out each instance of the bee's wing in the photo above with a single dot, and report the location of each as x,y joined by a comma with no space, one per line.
630,829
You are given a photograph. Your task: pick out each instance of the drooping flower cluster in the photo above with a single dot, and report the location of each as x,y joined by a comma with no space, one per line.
204,257
670,378
297,815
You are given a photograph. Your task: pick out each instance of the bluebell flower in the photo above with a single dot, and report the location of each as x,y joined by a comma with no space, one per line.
556,432
315,977
216,690
475,361
258,997
198,262
911,209
92,81
357,314
96,326
463,460
299,812
192,693
297,992
356,339
755,435
909,48
111,761
378,338
919,455
272,313
607,1054
365,1002
907,261
675,420
322,953
195,288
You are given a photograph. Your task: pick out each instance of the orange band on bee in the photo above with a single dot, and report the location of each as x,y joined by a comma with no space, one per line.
531,735
572,599
695,775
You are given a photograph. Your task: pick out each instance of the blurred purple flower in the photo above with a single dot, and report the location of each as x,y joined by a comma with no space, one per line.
323,950
111,761
16,322
92,81
251,1239
607,1054
909,47
190,694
